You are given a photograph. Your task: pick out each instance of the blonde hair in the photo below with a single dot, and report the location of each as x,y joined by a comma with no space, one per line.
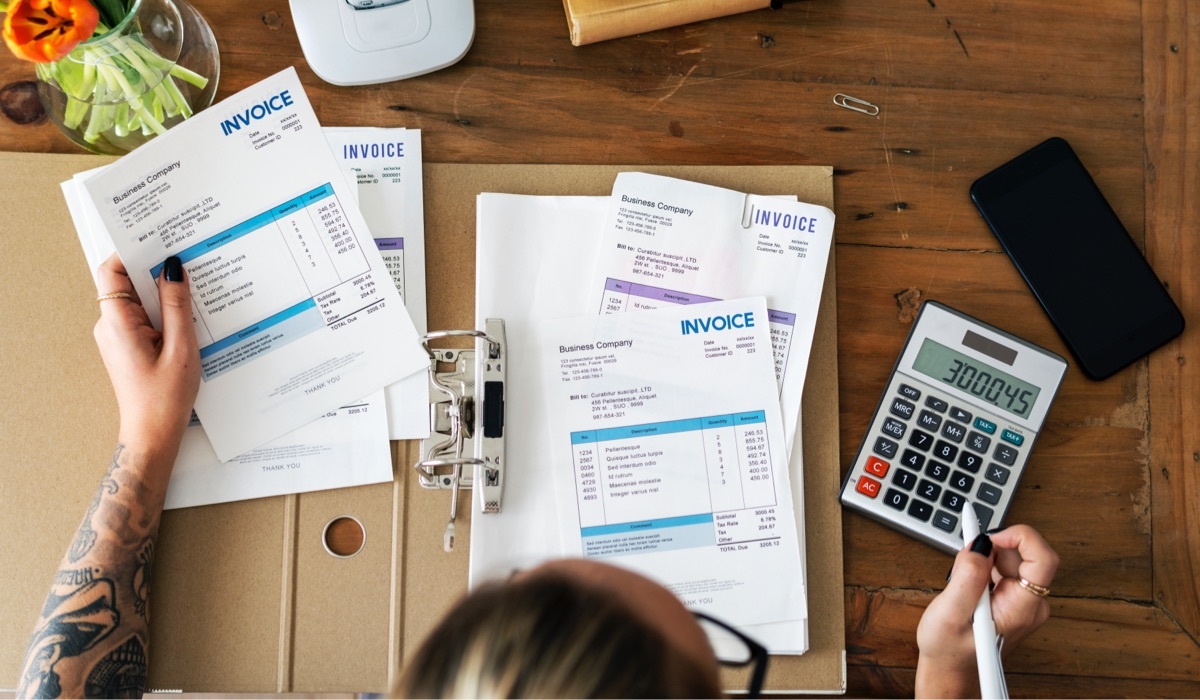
549,635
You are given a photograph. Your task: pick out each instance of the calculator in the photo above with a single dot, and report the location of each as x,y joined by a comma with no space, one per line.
958,419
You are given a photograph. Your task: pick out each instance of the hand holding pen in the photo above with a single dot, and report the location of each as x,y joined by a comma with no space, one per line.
1022,567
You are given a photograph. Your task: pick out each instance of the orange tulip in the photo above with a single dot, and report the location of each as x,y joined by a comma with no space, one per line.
44,31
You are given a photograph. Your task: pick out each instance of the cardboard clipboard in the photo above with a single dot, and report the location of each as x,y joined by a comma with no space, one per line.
245,596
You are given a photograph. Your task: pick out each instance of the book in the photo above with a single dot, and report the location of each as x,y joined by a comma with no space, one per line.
597,20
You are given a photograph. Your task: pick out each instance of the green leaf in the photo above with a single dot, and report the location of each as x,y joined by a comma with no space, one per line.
111,11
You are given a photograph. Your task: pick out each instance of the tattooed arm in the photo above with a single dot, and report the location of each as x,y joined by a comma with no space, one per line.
91,639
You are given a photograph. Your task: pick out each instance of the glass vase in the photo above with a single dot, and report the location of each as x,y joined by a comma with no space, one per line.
117,90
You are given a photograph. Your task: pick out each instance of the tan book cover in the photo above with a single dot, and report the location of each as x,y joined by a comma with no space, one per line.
597,20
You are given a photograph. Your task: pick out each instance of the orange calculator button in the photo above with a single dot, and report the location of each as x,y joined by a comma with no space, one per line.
868,486
877,466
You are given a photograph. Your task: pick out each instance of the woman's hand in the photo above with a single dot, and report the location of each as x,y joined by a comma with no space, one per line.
947,666
155,375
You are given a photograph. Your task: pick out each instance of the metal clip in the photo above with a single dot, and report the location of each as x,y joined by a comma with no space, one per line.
466,420
855,104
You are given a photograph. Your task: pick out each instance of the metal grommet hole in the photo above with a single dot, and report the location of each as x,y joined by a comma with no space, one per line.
344,536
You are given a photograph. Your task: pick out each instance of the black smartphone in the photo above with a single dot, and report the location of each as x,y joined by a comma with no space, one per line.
1080,262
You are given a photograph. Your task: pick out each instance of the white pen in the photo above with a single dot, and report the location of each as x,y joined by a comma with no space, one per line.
992,685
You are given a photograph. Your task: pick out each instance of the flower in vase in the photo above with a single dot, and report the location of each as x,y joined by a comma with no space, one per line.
113,81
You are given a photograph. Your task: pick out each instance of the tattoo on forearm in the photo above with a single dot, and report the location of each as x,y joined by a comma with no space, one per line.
85,539
121,674
141,579
74,620
91,637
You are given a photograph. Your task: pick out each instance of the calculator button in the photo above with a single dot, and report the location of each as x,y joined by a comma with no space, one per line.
920,510
909,392
867,486
997,474
944,450
902,408
985,425
1005,454
960,481
905,480
877,466
978,442
960,415
929,490
912,459
929,420
984,514
1010,436
953,431
970,462
944,521
921,440
895,428
952,501
937,470
989,493
885,447
936,404
895,499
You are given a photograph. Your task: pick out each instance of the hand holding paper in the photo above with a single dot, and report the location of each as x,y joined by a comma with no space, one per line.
293,307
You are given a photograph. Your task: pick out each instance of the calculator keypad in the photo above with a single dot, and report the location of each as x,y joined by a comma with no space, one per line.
927,457
905,480
921,440
912,459
885,447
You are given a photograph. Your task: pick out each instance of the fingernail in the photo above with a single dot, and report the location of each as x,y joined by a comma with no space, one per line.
173,269
982,545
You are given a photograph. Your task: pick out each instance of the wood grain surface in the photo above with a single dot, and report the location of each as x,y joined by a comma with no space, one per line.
962,86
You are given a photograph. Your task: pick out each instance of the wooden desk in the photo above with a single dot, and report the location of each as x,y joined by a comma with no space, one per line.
1115,482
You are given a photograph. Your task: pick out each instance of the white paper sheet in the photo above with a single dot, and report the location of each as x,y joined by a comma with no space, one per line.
346,447
525,244
292,303
386,165
669,241
666,425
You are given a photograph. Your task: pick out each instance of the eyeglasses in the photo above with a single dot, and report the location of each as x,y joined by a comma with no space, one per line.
736,650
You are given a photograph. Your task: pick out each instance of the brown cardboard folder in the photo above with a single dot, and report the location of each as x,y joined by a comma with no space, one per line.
246,599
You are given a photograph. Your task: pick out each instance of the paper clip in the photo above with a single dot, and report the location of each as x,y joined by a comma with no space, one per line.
855,104
747,212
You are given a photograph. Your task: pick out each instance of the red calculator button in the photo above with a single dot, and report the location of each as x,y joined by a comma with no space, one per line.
868,486
877,466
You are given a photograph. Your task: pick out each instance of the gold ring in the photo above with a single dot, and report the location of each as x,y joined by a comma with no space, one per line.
114,295
1040,591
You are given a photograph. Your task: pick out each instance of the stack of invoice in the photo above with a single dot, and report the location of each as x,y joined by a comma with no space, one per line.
659,439
303,313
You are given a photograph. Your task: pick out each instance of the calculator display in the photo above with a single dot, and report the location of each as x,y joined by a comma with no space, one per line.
1001,390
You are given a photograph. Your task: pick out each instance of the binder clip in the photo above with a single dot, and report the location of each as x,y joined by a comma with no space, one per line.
466,419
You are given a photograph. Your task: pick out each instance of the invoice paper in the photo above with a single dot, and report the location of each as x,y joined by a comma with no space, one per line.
526,248
668,425
386,166
669,242
293,305
345,447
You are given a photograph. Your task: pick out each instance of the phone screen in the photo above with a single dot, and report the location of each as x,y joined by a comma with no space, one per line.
1079,260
